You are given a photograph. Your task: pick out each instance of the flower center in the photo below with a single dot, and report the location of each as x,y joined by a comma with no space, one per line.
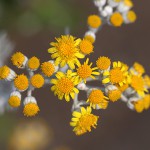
137,83
96,96
116,75
65,85
84,71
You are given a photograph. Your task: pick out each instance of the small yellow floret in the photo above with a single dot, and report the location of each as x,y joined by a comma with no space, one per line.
21,82
31,110
103,63
94,21
139,68
114,95
86,46
18,59
14,101
116,19
139,106
33,63
48,69
131,15
4,72
90,38
37,81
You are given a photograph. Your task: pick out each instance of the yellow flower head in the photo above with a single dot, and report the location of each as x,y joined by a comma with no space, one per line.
33,63
83,121
116,19
138,68
4,72
114,95
18,59
90,38
66,51
37,81
146,100
94,21
131,16
137,83
139,106
103,63
21,82
146,81
64,85
117,75
128,3
85,71
97,98
30,109
14,101
86,47
48,69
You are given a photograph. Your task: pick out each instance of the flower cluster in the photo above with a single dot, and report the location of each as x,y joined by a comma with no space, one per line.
67,75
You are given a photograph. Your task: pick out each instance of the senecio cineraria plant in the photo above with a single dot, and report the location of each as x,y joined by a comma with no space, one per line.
68,76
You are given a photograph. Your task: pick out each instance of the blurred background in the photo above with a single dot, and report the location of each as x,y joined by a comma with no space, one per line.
30,26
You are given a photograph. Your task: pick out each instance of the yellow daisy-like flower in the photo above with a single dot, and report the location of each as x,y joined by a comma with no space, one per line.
30,109
138,68
97,98
33,63
146,100
147,81
66,51
116,19
103,63
4,72
86,47
14,101
90,38
85,71
48,68
21,82
37,81
18,59
64,85
131,16
94,21
83,121
139,106
117,75
137,83
114,95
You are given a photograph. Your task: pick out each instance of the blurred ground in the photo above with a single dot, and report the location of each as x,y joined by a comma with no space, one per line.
118,127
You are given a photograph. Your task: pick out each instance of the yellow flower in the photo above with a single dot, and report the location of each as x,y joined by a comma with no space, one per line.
131,16
18,59
14,101
48,68
83,121
117,75
37,81
146,100
85,71
86,47
103,63
137,83
21,82
64,85
116,19
4,72
138,68
66,51
97,98
139,106
33,63
146,81
30,109
114,95
94,21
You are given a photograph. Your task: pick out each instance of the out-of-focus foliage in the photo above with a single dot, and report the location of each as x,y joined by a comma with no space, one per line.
30,16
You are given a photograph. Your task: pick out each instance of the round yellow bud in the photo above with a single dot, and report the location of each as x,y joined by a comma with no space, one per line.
14,101
37,81
116,19
33,63
94,21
